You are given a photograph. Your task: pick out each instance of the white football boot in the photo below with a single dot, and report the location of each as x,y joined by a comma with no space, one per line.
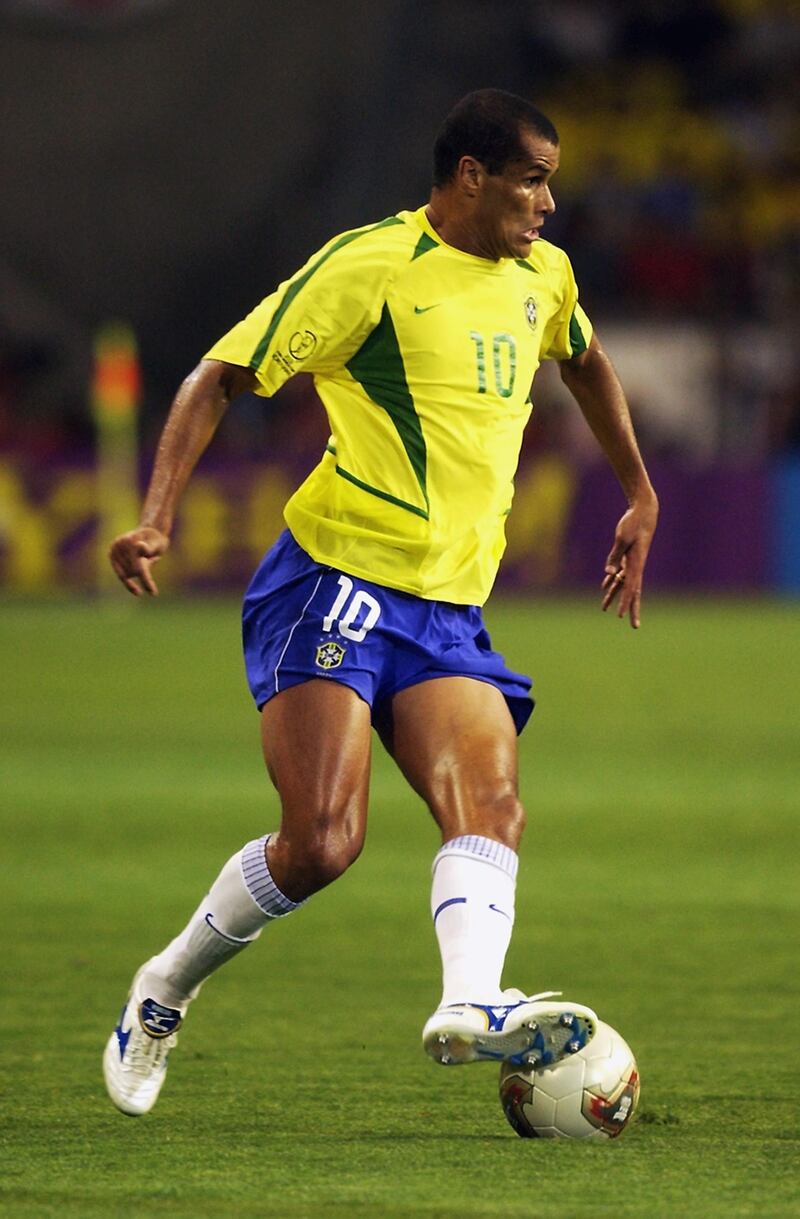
135,1058
529,1030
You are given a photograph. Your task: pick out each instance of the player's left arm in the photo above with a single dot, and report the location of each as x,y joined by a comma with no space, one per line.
591,379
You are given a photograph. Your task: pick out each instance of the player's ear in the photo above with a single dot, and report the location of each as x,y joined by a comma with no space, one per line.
470,174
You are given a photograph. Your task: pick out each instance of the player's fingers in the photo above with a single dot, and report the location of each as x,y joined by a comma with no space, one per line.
122,574
145,575
627,585
612,590
614,581
126,578
614,577
629,605
132,567
122,569
631,591
616,555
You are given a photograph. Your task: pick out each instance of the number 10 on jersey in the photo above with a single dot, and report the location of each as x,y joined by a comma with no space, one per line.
504,362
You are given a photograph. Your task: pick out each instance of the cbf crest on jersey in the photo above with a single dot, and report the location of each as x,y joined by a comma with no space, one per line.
329,655
530,312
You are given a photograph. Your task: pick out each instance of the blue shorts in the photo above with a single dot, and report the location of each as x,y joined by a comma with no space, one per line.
303,621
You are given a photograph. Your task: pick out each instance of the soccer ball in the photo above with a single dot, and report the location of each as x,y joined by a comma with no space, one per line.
591,1095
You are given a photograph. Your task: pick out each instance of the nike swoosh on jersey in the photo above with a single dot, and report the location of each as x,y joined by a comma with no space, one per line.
497,910
425,308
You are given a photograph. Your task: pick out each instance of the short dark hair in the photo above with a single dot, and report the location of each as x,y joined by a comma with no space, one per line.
486,125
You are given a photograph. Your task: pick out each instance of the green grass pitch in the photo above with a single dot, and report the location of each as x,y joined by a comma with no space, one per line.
659,884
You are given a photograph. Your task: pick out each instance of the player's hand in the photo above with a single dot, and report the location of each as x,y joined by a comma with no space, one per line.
624,568
132,555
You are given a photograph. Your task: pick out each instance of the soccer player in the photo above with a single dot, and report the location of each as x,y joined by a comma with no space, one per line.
423,333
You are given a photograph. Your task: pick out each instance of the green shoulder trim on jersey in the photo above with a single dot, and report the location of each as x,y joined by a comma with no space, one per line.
298,284
392,499
378,367
576,340
526,266
330,448
424,244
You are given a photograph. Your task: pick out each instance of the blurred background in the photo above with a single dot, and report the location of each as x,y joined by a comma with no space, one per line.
166,163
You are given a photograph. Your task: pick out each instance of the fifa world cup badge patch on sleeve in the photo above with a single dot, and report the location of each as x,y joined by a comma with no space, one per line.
329,655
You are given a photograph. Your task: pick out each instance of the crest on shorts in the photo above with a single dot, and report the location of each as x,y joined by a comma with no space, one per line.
329,655
530,312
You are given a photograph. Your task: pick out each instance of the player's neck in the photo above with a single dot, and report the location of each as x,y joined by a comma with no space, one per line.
456,229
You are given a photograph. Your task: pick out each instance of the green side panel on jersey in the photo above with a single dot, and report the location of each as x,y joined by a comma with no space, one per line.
576,340
298,284
424,244
526,266
378,367
391,499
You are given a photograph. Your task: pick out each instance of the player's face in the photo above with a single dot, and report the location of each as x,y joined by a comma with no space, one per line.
512,206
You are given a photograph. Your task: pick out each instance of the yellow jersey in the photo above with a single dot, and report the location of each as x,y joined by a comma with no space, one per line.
423,357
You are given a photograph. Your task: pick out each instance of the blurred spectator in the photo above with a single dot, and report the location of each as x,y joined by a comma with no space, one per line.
678,197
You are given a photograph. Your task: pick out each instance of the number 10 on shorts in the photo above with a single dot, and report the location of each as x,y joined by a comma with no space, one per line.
350,606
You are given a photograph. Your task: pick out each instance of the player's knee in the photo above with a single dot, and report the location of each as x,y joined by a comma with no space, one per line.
505,818
495,813
328,859
328,851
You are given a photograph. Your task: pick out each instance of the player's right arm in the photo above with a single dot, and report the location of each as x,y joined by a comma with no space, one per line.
313,322
193,419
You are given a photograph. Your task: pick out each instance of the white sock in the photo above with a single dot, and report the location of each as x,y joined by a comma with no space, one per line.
472,902
242,899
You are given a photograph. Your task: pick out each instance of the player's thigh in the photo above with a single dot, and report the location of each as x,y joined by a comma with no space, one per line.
316,738
455,741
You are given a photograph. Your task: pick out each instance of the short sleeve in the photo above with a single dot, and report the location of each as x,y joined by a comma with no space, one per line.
315,321
569,330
